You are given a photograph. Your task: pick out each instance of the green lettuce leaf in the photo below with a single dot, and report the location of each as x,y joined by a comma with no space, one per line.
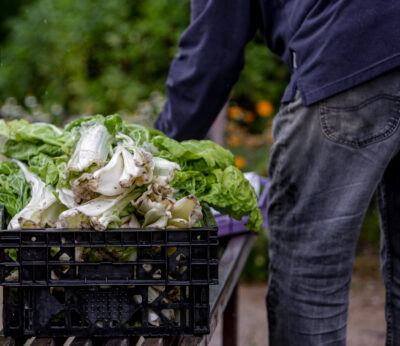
15,191
140,134
49,169
189,182
113,123
207,155
4,129
227,191
42,133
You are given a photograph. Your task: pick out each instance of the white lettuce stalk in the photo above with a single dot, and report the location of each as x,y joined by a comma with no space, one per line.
112,214
164,170
185,213
153,293
139,167
66,197
80,189
105,180
92,148
98,212
128,166
130,221
155,207
156,218
124,138
43,208
73,218
155,320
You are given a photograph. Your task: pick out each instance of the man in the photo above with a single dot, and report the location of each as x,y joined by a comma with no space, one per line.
336,141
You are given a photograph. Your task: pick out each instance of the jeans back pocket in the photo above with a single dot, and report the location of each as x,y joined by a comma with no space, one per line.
359,121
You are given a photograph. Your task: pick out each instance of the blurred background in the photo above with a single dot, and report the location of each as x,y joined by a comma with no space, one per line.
65,58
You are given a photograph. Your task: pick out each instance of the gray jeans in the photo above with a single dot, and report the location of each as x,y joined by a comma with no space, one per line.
326,163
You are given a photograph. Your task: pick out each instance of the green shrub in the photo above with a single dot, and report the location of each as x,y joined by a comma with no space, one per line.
256,268
91,56
105,56
9,9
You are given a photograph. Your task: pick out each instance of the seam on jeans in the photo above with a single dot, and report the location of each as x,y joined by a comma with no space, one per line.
365,103
389,268
283,113
393,124
278,171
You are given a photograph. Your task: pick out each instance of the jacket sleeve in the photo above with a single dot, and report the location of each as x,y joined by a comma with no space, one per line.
209,61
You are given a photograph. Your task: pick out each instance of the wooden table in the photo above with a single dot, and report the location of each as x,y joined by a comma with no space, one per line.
223,304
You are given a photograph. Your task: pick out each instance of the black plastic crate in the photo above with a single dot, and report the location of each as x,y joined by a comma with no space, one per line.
49,257
56,295
106,311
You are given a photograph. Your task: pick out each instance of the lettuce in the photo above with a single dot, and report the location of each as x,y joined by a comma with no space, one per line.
43,208
208,171
92,149
98,161
227,191
113,123
15,191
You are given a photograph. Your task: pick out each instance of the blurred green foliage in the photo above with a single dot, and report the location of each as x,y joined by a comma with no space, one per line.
91,56
9,8
256,268
105,56
370,234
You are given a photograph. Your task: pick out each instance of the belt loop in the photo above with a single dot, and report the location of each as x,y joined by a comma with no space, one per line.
294,59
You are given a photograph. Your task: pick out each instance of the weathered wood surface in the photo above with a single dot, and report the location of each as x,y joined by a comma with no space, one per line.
230,268
230,330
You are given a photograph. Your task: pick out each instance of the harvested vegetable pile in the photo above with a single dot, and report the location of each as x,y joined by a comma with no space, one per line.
100,172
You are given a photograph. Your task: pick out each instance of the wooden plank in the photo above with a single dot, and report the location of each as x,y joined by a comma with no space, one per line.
117,342
230,319
27,342
136,341
153,342
48,342
112,341
43,342
81,342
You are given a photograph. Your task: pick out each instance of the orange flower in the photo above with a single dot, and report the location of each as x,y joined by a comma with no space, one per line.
240,161
234,141
264,108
249,117
234,112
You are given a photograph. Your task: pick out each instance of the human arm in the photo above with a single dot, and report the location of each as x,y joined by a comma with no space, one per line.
210,58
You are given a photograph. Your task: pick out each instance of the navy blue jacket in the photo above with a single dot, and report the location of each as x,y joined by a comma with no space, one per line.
328,45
